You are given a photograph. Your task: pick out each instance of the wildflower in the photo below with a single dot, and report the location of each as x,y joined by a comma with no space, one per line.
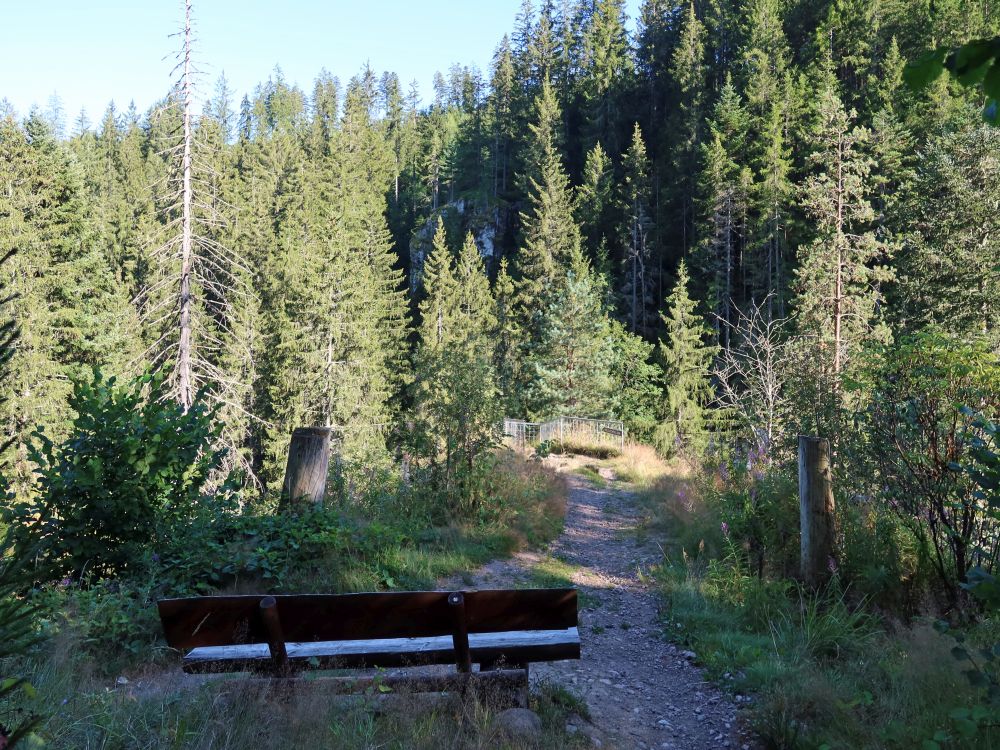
156,557
65,582
831,564
725,529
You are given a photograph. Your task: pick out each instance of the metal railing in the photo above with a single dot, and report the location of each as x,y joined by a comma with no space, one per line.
572,429
521,433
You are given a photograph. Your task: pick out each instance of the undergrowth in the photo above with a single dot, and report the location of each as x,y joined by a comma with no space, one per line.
329,550
827,669
237,712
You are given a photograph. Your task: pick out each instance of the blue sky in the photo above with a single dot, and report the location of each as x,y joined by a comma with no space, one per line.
92,51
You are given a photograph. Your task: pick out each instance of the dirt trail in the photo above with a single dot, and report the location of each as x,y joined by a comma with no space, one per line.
642,692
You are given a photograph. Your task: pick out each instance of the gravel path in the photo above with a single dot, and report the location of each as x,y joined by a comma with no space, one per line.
642,692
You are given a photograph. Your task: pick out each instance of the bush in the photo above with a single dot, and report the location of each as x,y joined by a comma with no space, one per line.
17,634
132,469
762,511
917,433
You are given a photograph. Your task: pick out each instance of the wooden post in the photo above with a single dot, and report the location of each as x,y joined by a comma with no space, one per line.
816,510
275,638
460,638
307,467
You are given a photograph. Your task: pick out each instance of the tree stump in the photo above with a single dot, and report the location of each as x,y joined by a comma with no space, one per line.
308,464
816,510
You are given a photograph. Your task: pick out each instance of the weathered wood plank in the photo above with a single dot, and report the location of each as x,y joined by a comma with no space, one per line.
224,620
519,647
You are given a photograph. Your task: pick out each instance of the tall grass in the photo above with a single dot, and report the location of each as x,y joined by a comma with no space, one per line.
168,711
822,669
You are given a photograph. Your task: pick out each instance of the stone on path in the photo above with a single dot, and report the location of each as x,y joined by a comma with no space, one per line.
519,724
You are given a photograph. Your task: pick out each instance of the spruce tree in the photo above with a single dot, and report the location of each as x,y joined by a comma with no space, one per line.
687,362
639,274
725,185
688,71
767,85
456,400
572,357
949,270
508,345
551,235
607,71
437,310
839,278
595,207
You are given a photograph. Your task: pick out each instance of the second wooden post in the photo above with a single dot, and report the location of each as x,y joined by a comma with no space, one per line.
816,510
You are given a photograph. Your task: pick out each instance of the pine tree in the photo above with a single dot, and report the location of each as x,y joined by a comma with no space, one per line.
687,362
838,282
688,70
551,235
725,183
639,276
572,356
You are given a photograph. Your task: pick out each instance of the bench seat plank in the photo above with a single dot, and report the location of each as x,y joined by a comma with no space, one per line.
221,620
512,647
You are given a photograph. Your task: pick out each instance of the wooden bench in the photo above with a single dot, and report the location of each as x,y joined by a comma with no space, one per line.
502,631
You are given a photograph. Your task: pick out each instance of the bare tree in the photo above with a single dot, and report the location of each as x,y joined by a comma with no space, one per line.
198,303
751,374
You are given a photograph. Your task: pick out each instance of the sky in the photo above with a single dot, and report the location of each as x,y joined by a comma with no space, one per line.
95,51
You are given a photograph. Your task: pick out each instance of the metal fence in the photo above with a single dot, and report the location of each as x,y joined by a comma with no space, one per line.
521,433
566,429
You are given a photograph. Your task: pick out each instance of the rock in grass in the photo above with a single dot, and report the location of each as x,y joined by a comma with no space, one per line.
520,723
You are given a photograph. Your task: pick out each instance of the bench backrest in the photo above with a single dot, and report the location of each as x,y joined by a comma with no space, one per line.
230,620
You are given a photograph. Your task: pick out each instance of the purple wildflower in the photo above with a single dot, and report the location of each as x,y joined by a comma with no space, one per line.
832,565
725,529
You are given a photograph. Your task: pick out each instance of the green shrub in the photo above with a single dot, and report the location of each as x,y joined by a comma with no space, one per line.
917,432
758,510
17,634
133,468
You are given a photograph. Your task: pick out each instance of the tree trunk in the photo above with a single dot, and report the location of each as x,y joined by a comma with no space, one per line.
185,386
307,468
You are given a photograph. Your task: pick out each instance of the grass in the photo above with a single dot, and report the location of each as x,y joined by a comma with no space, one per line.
95,635
577,447
823,670
639,465
553,573
822,674
592,474
230,713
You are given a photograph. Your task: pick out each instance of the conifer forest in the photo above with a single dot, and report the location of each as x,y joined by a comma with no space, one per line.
723,224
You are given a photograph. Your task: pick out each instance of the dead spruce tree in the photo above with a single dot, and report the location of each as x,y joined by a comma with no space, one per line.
197,301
